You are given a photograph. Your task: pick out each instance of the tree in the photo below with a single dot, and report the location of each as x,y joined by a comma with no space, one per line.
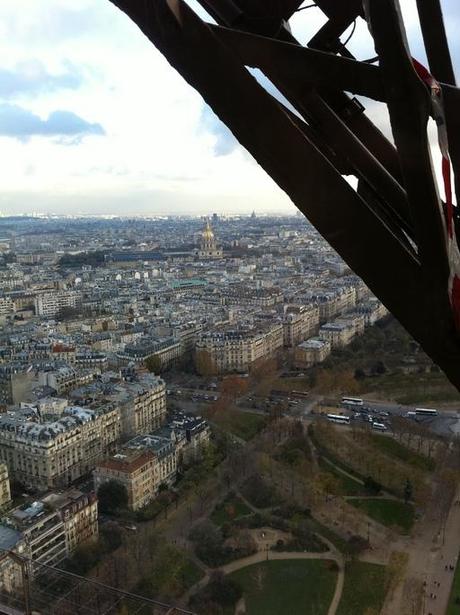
112,497
153,364
234,386
408,491
110,536
372,486
204,363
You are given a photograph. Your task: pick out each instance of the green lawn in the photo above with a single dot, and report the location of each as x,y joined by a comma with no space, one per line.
228,510
454,608
245,425
364,588
288,587
347,485
412,388
395,449
387,512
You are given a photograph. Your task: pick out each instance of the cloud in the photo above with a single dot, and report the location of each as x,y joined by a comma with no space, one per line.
21,124
225,143
32,77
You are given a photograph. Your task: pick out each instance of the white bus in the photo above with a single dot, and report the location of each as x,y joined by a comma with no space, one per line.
338,418
425,412
352,401
379,426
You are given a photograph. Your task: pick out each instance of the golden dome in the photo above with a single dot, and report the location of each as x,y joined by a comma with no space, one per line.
207,234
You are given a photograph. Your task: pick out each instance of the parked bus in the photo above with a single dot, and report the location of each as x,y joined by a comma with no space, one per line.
379,426
425,412
352,401
300,394
338,418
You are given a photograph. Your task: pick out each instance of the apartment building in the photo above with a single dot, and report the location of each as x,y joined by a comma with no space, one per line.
46,531
341,331
373,311
79,513
332,303
137,470
166,351
311,352
299,323
52,454
142,404
50,304
5,492
65,378
237,350
165,452
7,306
43,534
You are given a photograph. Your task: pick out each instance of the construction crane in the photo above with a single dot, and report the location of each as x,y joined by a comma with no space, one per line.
393,229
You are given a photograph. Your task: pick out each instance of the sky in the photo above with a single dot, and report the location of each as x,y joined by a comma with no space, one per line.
93,120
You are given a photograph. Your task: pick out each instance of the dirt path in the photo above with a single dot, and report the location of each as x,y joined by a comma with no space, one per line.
430,550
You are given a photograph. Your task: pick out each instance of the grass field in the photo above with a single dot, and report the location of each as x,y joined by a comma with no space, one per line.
412,388
347,485
231,508
395,449
245,425
454,607
392,513
364,589
278,587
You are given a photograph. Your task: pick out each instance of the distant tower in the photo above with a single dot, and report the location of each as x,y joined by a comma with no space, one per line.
253,215
208,247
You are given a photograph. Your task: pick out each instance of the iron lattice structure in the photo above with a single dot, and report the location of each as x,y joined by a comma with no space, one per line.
391,230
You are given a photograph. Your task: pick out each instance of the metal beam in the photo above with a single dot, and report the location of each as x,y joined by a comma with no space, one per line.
409,107
307,66
435,39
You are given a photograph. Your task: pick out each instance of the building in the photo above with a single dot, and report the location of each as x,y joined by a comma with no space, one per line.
79,513
7,306
300,322
52,454
208,246
165,351
142,404
373,311
11,544
197,434
312,351
237,350
137,470
65,378
166,453
50,304
46,531
43,534
339,334
5,492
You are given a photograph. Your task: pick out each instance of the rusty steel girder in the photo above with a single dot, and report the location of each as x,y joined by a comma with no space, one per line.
390,230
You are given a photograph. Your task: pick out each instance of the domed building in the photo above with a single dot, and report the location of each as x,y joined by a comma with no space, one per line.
208,246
